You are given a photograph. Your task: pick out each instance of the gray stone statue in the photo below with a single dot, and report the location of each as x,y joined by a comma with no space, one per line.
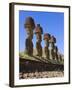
38,32
52,41
29,26
46,48
60,58
56,53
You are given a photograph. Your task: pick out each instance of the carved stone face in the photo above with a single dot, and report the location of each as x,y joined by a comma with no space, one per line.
29,23
29,34
38,36
53,39
46,43
47,37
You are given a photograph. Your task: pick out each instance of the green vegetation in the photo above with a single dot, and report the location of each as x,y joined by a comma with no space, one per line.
25,56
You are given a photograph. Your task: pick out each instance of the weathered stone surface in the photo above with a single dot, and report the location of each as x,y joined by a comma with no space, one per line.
29,23
38,32
52,42
47,62
29,46
46,48
55,53
29,26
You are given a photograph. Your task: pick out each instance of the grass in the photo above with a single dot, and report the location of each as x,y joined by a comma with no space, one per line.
25,56
37,58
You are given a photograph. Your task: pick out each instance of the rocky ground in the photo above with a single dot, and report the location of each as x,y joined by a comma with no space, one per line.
44,74
39,67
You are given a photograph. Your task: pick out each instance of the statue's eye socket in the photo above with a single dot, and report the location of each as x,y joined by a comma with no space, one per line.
28,27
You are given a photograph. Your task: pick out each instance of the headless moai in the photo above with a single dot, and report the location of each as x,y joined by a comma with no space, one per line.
46,48
52,42
38,32
29,26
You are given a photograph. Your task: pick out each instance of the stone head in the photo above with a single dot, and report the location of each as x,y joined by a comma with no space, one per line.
46,38
29,23
38,32
53,39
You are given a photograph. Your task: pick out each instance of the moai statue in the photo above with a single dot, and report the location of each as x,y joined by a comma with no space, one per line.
52,42
59,57
39,32
29,26
56,53
62,58
46,48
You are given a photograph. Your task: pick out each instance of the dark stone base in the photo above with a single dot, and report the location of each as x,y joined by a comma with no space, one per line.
32,66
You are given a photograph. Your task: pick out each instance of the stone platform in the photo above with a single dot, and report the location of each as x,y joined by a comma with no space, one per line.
35,63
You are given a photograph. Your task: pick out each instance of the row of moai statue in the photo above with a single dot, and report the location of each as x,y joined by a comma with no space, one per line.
50,49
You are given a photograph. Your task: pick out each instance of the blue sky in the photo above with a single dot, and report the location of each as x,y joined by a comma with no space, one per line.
51,22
